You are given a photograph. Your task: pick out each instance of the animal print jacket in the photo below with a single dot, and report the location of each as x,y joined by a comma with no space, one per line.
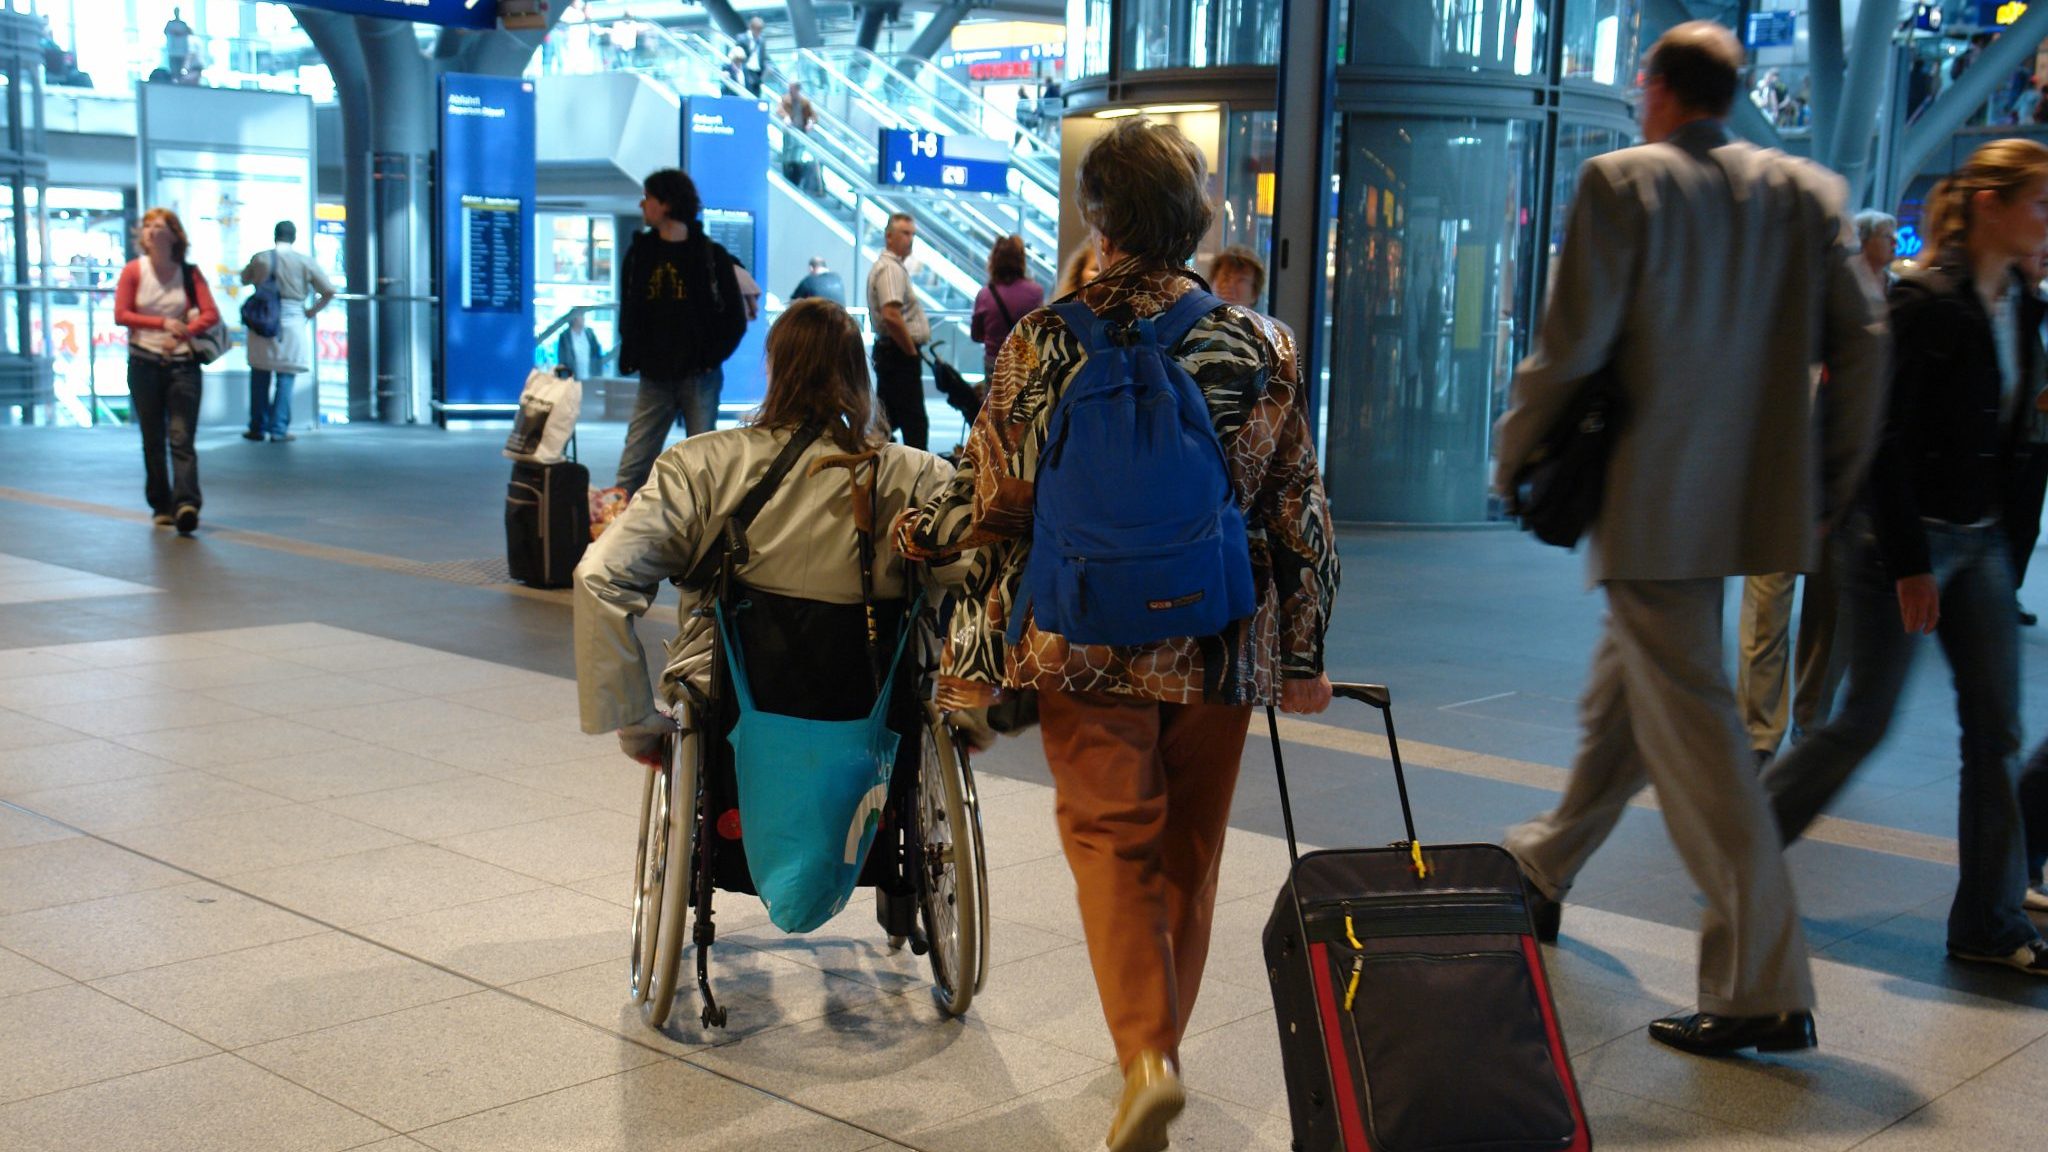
1246,368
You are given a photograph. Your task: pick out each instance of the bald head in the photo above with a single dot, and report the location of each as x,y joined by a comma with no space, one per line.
1699,64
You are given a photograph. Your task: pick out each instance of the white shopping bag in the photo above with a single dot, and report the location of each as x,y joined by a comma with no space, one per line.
548,407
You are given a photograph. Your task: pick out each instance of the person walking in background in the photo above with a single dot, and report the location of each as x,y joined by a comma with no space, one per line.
275,362
1143,741
1721,467
1006,298
754,61
1878,235
735,68
822,282
1239,276
681,314
162,299
2030,469
1078,272
900,330
577,347
1933,555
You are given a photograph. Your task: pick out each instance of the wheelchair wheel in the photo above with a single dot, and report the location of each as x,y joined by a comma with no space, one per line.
952,890
661,897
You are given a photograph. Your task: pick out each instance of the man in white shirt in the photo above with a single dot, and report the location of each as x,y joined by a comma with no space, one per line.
900,330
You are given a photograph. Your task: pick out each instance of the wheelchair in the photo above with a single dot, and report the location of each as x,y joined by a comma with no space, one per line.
926,864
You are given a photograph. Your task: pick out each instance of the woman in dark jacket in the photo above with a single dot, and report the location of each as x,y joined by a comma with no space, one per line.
1930,553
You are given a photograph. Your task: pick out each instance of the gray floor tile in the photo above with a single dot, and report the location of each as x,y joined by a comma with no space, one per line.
661,1106
273,837
544,696
1973,1118
607,780
221,674
132,714
1238,1062
759,991
308,691
454,1058
18,828
1052,997
218,1104
62,1037
851,944
140,650
19,974
278,990
895,1064
74,761
69,687
449,675
559,851
280,639
347,771
364,655
513,744
1072,1116
383,884
1038,894
514,938
1010,942
213,745
2023,1072
73,869
139,930
20,729
1620,1121
19,662
139,801
403,724
453,807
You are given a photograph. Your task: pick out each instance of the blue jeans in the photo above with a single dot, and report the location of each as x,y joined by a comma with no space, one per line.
1979,635
2034,811
694,398
163,397
268,416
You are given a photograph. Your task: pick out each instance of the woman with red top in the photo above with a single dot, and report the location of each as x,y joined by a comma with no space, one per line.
152,302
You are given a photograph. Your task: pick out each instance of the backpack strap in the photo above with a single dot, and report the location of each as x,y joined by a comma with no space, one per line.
1173,325
1086,326
732,541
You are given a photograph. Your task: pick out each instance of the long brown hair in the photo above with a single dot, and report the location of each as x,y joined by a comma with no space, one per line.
179,244
1006,260
2006,167
818,374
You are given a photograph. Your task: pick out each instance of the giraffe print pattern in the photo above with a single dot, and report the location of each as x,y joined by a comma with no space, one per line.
1248,372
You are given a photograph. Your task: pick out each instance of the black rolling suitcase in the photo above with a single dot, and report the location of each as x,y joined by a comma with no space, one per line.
547,522
1413,1009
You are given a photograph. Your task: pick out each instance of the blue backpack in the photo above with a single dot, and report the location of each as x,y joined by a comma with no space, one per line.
1136,532
263,311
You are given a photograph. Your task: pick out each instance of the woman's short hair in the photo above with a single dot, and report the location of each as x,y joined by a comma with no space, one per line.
1238,258
675,191
180,245
818,374
1145,187
1006,260
1870,222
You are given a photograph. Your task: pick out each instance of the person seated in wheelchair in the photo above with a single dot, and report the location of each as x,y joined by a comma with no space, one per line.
805,552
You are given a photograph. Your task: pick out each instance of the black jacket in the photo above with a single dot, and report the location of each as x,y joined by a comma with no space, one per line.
680,310
1947,451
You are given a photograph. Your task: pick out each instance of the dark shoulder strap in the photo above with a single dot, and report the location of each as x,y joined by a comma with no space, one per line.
732,542
996,290
1173,325
191,294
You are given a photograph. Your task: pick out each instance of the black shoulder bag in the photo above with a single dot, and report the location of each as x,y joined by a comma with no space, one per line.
731,543
1557,493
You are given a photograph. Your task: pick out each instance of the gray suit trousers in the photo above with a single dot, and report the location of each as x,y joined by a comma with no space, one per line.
1658,710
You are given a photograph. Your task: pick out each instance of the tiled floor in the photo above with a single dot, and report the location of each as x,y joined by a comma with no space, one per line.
300,849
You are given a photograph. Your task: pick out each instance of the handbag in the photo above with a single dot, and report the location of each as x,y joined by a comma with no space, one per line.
548,407
1557,493
207,344
263,311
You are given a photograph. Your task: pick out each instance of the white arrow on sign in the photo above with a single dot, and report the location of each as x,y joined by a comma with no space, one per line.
897,174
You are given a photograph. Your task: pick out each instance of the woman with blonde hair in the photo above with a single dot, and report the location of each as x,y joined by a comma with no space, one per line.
161,299
805,542
1079,271
1930,553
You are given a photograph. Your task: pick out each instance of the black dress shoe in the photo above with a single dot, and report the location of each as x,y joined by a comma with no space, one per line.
1546,913
2028,619
252,435
1705,1034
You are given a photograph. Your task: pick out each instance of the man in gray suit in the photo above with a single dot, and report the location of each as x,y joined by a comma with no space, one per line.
1715,277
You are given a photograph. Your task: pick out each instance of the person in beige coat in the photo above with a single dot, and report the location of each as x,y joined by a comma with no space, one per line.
1721,468
276,362
803,543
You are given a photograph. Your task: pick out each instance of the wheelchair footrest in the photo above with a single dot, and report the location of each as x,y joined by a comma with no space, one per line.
896,912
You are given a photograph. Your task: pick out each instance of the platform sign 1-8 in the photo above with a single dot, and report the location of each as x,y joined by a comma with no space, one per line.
913,159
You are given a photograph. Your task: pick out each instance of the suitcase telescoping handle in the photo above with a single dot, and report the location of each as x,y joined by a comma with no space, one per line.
1375,695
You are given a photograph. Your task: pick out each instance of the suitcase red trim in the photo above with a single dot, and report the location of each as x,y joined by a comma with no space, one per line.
1349,1120
1583,1142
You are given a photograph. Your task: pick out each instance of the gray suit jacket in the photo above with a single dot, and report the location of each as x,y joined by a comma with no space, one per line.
1719,279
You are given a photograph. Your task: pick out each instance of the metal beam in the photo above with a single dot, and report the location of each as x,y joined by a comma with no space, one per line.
803,24
1870,67
1302,164
1950,110
936,31
1824,45
722,14
334,37
872,16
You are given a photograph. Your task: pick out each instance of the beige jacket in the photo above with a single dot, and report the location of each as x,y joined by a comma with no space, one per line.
802,544
1717,277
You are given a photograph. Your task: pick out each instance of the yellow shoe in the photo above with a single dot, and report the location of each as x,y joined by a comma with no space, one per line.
1152,1098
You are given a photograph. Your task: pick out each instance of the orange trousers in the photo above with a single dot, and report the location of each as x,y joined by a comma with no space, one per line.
1143,800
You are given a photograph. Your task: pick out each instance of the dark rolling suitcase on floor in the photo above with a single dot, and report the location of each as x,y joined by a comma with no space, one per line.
1413,1009
547,522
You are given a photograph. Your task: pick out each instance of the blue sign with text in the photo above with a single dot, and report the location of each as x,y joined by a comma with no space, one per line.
1772,29
487,160
452,13
725,151
913,159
